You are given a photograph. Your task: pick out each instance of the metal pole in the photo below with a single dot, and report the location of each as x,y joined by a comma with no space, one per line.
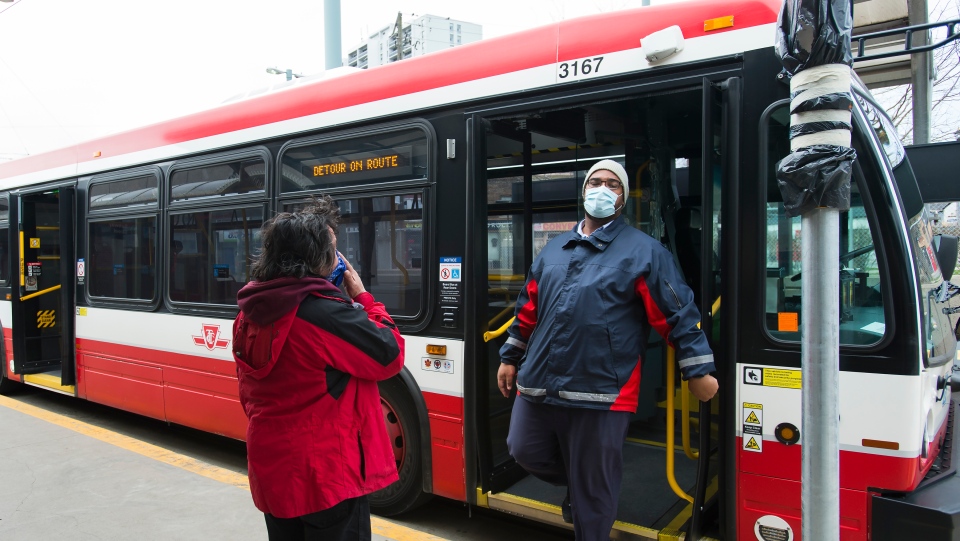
820,358
289,73
920,74
331,34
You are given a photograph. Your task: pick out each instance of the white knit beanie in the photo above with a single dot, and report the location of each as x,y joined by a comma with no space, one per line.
614,168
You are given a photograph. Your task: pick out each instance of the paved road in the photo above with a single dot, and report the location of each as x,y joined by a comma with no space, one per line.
115,475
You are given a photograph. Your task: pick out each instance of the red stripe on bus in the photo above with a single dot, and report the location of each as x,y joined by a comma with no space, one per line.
586,37
446,445
760,496
858,470
201,392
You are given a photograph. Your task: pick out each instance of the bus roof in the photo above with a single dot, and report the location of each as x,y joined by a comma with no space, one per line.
516,62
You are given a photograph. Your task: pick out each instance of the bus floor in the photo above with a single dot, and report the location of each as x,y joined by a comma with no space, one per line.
64,478
646,498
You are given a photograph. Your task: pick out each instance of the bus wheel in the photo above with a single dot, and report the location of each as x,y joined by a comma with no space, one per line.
403,430
6,386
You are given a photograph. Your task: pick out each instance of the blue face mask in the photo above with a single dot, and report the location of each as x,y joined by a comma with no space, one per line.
336,277
600,202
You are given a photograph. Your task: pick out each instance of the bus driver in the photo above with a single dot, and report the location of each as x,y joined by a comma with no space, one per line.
576,347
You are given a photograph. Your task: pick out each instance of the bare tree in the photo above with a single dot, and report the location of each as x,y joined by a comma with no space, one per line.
945,115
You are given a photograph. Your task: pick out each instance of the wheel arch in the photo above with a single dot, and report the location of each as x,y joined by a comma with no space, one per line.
426,453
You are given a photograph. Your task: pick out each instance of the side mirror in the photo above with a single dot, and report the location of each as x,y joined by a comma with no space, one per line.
945,247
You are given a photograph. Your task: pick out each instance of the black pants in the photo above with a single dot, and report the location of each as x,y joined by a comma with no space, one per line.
580,448
349,520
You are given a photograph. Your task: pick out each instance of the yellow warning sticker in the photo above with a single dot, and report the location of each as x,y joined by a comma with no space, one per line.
34,242
752,428
46,319
779,377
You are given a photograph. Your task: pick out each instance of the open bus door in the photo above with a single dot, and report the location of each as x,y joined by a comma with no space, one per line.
43,302
678,143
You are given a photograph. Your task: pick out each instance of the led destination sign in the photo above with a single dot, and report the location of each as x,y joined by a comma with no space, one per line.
358,166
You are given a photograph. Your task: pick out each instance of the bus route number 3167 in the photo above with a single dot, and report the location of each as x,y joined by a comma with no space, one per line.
579,68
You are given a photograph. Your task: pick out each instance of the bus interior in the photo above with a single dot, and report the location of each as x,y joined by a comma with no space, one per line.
534,173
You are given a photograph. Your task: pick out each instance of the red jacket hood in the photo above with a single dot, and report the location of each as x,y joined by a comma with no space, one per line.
265,302
271,306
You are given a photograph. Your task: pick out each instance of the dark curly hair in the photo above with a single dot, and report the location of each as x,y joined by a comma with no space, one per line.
298,243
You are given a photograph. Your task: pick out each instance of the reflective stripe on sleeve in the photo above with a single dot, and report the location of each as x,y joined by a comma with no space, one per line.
694,361
520,344
531,392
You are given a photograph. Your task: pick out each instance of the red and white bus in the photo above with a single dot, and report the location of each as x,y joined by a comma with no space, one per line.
122,257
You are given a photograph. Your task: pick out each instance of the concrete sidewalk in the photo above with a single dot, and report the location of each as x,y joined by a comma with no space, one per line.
61,478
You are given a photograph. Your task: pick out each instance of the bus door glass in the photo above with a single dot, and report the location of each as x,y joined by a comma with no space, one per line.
535,162
43,298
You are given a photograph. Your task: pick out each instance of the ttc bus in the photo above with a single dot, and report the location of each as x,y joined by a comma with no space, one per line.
121,258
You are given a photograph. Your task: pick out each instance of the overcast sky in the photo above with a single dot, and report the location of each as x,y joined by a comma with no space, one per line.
75,69
71,70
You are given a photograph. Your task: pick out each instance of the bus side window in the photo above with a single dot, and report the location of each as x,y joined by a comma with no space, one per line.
122,260
122,235
217,206
211,253
382,237
861,316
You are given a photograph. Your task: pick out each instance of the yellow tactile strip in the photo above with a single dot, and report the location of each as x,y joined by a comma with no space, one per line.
379,526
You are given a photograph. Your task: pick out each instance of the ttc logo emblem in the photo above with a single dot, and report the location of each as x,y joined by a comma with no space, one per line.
210,338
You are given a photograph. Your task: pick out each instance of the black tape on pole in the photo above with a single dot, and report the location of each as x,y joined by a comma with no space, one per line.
812,128
814,33
837,101
816,176
811,34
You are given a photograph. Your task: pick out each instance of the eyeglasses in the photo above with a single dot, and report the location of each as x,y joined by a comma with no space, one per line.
611,183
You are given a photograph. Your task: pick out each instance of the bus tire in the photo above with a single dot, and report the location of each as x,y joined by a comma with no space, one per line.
6,385
403,430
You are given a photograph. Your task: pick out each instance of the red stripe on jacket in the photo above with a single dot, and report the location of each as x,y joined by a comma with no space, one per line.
654,315
528,312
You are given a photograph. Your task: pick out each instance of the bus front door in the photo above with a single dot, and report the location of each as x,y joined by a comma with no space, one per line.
43,293
530,165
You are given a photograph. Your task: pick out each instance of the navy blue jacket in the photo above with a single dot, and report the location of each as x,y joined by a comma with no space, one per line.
585,313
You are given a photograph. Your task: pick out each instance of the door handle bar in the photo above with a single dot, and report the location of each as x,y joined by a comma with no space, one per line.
41,292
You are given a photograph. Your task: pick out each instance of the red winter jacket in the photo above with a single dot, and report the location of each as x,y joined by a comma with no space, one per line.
308,361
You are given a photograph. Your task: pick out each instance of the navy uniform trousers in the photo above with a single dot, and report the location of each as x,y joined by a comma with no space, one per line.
577,447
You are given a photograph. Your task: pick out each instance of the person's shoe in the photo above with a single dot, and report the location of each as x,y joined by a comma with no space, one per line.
565,511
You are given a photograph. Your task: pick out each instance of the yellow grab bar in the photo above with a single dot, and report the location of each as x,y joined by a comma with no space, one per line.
490,335
671,422
38,293
502,313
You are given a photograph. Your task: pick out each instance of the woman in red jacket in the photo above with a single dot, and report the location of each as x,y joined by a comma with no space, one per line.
308,361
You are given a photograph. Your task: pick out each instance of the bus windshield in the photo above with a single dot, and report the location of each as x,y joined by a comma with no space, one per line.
940,342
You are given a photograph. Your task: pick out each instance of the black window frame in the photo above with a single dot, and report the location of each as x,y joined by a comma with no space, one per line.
336,137
425,185
112,213
861,140
223,202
